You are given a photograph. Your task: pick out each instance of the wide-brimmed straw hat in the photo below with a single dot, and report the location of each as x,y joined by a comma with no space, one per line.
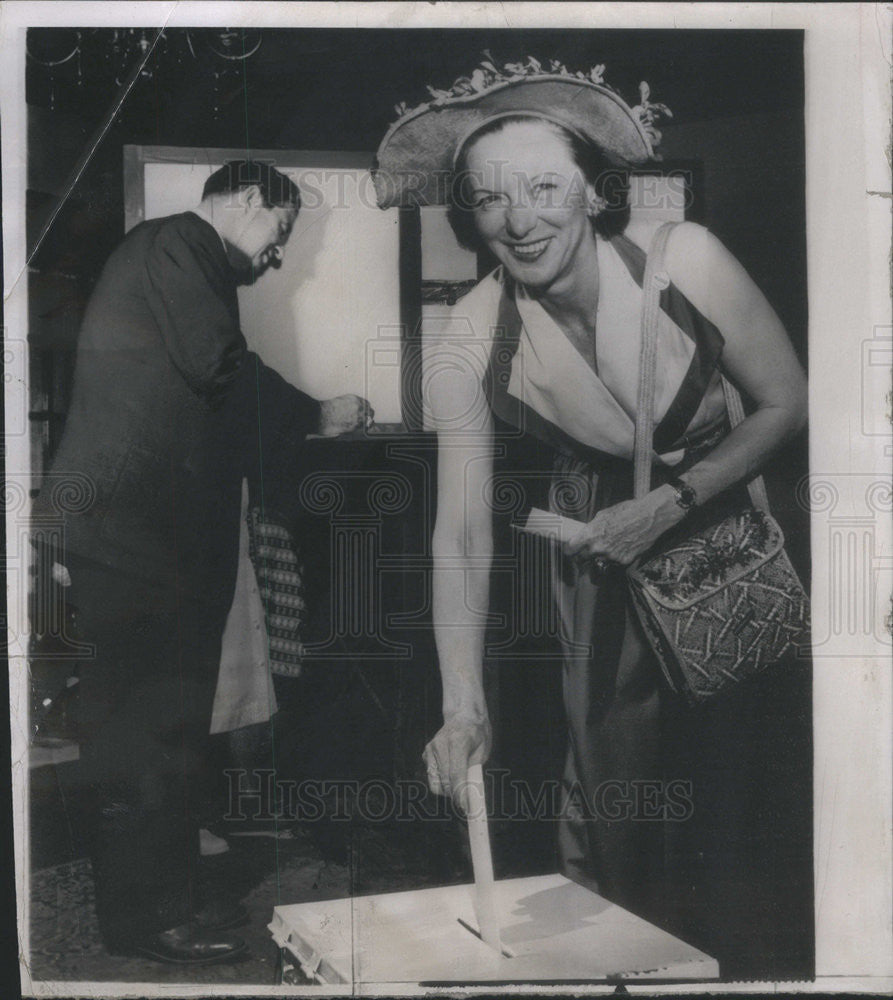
415,160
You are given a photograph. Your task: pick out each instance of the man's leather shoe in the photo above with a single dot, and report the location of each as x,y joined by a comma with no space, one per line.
220,915
189,944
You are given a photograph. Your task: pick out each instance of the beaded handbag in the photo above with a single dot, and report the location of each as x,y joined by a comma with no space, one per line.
723,603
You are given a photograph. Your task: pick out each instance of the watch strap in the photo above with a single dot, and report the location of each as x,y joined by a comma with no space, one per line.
686,495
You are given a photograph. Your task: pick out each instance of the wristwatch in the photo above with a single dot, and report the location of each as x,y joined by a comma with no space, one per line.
686,497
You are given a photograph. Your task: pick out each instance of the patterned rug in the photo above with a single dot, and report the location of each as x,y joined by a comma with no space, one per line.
65,943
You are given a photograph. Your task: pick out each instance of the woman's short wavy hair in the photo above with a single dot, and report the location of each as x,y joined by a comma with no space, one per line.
611,184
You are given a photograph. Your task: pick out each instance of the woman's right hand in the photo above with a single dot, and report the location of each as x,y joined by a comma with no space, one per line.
344,414
459,743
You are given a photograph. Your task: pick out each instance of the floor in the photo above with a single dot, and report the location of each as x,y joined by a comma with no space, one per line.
65,943
744,896
285,863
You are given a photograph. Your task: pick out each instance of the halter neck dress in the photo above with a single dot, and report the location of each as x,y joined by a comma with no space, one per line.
536,380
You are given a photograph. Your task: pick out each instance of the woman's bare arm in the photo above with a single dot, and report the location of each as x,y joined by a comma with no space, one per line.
462,548
757,357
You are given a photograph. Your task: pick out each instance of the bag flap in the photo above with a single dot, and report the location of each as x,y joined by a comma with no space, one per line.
698,567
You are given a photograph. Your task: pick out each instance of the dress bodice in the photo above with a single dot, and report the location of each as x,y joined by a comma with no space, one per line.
539,380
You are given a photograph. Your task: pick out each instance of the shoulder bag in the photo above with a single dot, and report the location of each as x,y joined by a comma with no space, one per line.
723,603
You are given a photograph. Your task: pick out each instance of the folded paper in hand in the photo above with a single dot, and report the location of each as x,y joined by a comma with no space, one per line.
549,525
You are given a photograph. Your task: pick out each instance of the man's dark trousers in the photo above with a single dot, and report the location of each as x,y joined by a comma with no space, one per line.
145,712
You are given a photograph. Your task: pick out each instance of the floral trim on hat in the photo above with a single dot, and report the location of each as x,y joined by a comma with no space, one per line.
648,113
487,75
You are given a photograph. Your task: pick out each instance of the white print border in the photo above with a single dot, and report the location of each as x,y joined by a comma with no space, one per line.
848,207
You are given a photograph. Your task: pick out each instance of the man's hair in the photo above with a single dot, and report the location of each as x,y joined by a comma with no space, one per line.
276,189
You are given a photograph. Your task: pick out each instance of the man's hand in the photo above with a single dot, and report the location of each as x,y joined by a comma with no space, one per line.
344,414
456,746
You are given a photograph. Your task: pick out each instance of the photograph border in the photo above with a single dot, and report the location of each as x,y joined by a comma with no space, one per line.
847,59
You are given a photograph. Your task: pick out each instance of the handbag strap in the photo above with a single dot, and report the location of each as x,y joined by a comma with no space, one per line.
655,280
757,486
652,284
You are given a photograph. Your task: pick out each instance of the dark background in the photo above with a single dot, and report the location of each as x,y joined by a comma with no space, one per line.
736,98
745,890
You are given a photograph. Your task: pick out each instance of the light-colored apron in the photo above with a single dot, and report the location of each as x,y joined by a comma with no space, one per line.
245,694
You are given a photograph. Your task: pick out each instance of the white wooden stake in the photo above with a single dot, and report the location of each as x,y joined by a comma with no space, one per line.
482,860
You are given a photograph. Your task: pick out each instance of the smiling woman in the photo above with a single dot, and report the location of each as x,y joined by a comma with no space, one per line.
534,218
590,176
549,343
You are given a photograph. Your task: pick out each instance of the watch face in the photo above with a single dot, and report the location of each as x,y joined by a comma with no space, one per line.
685,495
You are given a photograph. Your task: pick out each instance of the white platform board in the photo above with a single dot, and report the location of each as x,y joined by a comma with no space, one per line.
555,929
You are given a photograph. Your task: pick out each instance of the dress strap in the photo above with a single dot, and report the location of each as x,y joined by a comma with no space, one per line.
508,408
670,433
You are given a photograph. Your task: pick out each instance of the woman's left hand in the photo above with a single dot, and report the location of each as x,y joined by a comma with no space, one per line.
620,534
